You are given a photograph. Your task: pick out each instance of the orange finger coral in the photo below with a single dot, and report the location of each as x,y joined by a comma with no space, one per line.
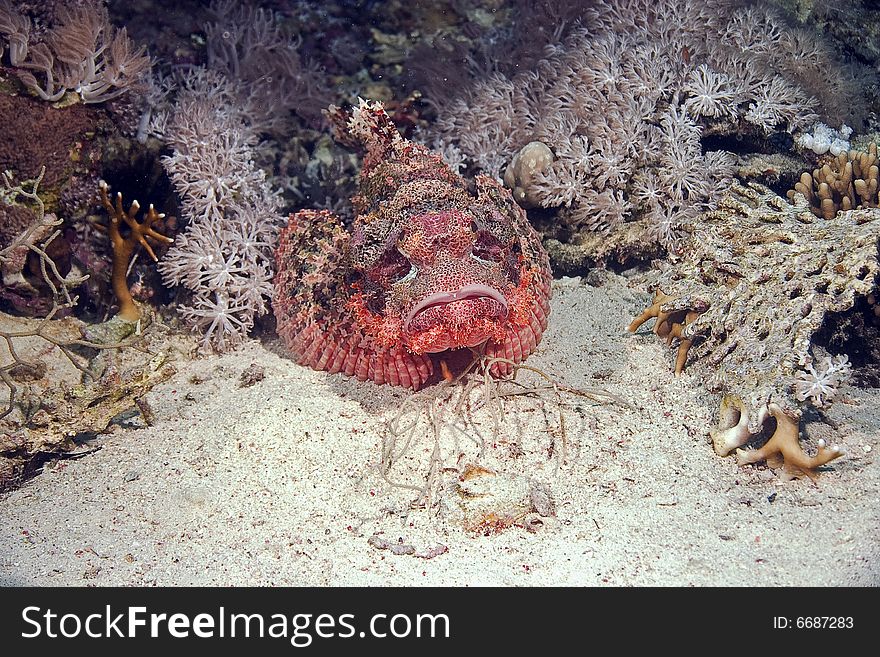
138,233
672,316
784,451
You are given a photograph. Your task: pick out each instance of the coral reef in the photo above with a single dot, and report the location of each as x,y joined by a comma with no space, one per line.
60,387
632,102
71,144
214,118
276,90
427,267
758,281
848,181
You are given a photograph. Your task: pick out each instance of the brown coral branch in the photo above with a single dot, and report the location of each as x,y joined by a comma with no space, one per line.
684,344
124,246
784,449
672,319
652,312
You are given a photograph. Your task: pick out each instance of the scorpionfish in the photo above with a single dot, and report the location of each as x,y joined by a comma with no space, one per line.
430,264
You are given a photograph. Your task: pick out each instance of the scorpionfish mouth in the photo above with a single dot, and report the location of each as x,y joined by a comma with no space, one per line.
465,317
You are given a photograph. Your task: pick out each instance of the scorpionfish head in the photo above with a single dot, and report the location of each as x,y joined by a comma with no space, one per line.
438,280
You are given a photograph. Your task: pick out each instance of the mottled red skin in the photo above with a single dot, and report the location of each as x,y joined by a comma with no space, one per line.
429,265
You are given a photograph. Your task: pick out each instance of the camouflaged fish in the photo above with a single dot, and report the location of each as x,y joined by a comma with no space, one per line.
431,265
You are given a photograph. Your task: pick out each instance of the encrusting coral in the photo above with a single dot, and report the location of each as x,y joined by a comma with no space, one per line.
70,142
758,280
849,181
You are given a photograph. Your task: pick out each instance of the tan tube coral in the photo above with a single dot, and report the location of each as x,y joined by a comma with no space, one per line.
846,182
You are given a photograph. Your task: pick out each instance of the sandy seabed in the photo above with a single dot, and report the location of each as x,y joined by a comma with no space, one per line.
279,482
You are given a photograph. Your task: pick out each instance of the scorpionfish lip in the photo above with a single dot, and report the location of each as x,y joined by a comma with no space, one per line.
497,304
451,320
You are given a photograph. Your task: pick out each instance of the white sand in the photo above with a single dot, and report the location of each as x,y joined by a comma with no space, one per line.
278,483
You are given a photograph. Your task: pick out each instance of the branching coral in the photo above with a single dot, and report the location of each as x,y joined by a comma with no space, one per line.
758,280
672,316
783,450
848,181
140,233
35,238
83,54
61,414
47,404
